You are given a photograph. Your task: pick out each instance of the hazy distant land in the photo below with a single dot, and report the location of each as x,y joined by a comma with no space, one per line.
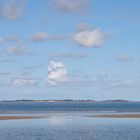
65,100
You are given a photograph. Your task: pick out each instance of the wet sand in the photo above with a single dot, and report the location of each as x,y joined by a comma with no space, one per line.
117,116
7,117
19,117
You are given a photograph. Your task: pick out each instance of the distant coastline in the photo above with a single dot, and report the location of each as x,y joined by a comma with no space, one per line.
66,100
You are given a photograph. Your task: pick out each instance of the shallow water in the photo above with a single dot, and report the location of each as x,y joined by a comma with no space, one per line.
70,127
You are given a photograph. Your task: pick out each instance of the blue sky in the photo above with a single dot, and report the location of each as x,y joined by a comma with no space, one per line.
69,49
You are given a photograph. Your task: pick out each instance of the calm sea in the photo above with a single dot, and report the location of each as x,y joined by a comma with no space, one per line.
69,106
69,121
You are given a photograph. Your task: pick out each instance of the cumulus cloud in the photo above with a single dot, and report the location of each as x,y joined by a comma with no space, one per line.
12,9
24,82
83,27
71,6
124,58
17,50
57,73
43,36
58,76
93,38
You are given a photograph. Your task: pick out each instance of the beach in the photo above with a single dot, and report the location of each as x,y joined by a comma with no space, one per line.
6,117
98,115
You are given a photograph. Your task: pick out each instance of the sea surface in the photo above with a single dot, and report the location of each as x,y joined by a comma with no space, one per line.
45,107
69,121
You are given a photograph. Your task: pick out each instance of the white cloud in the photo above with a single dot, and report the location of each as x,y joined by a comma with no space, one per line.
94,38
17,50
123,84
70,55
13,38
26,73
124,58
43,36
33,67
24,82
6,60
104,75
12,9
57,73
71,6
3,72
83,27
30,91
40,36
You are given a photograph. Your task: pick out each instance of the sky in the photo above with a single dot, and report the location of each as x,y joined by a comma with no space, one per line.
70,49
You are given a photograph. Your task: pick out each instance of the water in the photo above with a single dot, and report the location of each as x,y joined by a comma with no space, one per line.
69,121
74,128
69,106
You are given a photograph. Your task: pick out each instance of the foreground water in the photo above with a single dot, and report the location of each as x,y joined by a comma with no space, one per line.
64,127
69,121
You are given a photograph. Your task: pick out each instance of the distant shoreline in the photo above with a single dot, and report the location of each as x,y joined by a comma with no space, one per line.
67,100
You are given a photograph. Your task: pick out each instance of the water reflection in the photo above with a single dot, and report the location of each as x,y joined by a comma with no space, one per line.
70,127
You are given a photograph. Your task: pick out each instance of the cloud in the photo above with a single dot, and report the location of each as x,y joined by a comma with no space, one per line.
30,91
24,82
89,39
26,73
1,40
4,73
58,76
5,58
57,73
20,82
124,58
12,9
17,50
104,75
71,6
123,84
13,38
70,55
83,27
43,36
40,36
33,67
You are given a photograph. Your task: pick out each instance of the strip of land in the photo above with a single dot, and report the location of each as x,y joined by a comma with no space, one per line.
117,116
19,117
